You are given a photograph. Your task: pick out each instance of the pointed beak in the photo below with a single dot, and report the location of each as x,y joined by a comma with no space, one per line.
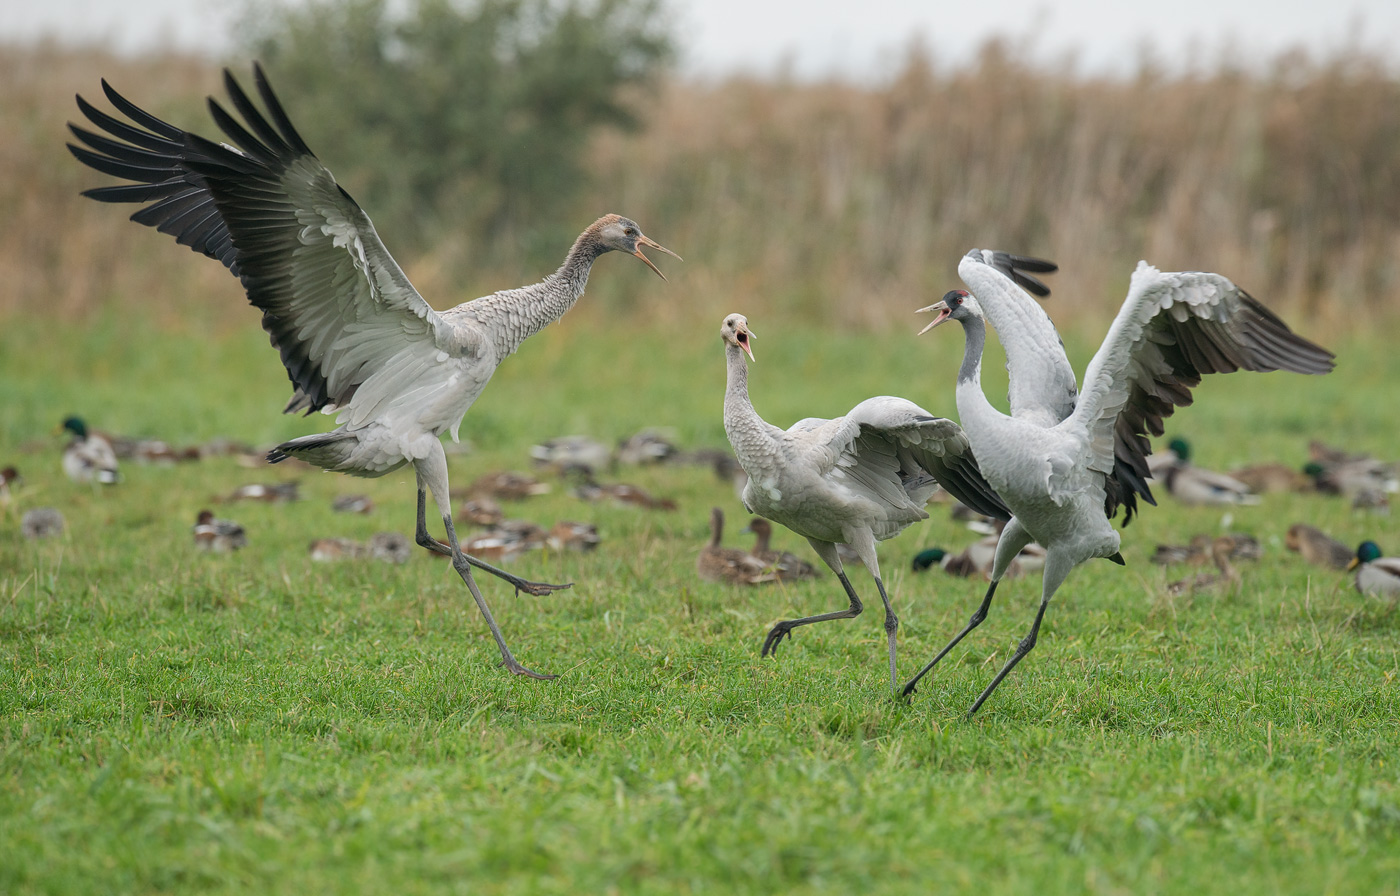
745,336
944,313
644,240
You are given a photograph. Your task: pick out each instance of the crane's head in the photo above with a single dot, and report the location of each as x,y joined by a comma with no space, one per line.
735,331
957,304
623,234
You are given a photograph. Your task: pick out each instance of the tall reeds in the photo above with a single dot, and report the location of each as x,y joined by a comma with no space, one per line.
852,203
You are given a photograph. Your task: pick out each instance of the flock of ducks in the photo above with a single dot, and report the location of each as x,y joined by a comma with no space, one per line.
358,340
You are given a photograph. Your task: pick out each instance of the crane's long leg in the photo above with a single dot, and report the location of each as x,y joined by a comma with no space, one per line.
783,629
432,473
1013,539
977,617
1057,566
426,540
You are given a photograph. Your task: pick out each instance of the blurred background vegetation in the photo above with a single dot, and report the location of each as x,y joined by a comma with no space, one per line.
481,137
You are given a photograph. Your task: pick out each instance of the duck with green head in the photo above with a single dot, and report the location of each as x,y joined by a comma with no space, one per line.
89,456
1376,575
1191,484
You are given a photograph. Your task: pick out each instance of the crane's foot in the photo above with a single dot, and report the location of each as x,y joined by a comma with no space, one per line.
538,589
516,669
775,637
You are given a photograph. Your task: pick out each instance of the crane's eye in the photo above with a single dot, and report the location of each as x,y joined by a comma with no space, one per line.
631,231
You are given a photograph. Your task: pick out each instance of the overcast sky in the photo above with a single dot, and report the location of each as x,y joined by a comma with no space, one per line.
851,38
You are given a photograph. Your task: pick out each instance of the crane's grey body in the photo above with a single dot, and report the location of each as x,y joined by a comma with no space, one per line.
1065,463
853,480
355,337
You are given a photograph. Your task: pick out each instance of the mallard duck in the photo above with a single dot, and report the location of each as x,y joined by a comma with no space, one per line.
568,535
977,558
1240,547
1265,478
1375,575
503,485
217,535
352,504
1365,481
327,550
1317,547
720,564
568,453
1191,484
390,547
650,446
786,566
42,522
276,493
1220,550
506,539
481,511
621,493
89,456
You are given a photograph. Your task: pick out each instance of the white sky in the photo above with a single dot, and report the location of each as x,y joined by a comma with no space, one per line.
865,38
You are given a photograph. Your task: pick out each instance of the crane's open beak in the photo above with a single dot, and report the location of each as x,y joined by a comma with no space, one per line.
744,337
944,313
643,240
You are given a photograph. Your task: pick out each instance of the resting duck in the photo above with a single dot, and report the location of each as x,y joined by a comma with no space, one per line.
42,522
568,453
217,535
89,456
276,493
1220,550
503,485
568,535
976,559
720,564
1317,547
1191,484
1375,575
786,566
1239,547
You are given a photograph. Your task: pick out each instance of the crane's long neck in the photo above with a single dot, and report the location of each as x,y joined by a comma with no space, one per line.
748,433
518,314
716,530
973,406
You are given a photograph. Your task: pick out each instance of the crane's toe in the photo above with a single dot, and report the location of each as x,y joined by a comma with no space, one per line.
775,637
539,589
516,669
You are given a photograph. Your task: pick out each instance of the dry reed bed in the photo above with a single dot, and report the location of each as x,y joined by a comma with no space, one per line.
845,201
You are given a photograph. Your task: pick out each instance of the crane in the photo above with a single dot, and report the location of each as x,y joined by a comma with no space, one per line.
853,480
1063,462
354,335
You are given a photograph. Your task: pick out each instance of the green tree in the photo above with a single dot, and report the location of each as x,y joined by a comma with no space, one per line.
467,118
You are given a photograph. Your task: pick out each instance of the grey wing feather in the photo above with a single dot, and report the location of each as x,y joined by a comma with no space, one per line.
1173,329
335,303
929,449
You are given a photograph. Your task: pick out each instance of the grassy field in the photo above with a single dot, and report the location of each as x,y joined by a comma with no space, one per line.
178,722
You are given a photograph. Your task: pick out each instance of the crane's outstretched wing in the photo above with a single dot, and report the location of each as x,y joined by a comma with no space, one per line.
1173,329
336,305
893,440
1042,387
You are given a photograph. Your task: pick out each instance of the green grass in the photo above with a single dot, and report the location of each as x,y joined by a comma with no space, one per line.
176,722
